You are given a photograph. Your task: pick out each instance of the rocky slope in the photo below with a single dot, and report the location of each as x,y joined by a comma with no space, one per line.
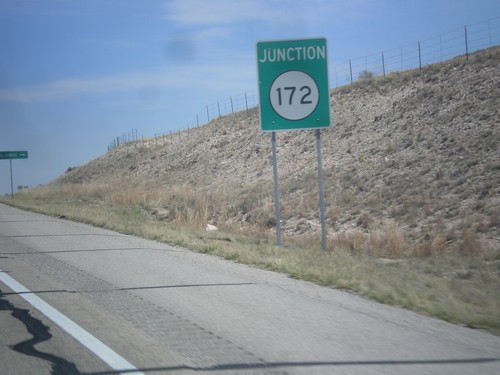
417,150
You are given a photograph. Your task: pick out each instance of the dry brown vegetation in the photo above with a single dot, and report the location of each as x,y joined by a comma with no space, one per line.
410,162
412,182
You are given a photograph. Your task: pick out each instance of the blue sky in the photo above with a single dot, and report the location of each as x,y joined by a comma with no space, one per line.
74,74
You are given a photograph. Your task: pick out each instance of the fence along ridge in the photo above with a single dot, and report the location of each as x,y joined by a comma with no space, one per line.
445,46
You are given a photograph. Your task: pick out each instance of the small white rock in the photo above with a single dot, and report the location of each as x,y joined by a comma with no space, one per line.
211,228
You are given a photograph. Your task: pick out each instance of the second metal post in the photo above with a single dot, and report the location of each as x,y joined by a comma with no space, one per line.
321,191
276,191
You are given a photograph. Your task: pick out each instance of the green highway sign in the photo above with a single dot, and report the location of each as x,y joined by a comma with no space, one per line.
13,154
293,84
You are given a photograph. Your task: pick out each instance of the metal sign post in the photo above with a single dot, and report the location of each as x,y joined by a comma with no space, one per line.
276,191
294,95
321,191
13,155
11,181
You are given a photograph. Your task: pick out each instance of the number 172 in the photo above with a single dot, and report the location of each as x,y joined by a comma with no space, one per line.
304,90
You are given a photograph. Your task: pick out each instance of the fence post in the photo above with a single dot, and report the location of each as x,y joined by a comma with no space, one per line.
232,108
197,121
419,57
246,101
466,45
401,58
489,32
208,115
383,63
350,68
440,48
218,107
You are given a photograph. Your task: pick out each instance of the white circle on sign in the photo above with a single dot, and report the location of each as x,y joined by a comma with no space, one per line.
294,95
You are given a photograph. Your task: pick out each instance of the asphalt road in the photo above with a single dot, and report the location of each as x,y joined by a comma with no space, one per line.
166,310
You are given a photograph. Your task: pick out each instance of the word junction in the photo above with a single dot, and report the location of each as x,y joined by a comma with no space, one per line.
293,54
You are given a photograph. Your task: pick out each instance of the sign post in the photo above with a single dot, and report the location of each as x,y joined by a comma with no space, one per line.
13,155
294,95
276,190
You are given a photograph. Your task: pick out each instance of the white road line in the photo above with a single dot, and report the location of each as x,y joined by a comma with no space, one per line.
108,355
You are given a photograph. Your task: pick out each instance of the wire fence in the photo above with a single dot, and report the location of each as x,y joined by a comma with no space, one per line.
460,41
236,103
457,42
126,137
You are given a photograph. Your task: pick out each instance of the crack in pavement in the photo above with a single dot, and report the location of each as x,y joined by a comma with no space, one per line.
40,333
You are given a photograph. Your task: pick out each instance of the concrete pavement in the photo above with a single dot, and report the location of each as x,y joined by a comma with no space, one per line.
168,310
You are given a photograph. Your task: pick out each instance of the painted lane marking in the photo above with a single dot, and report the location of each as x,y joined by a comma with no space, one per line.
104,352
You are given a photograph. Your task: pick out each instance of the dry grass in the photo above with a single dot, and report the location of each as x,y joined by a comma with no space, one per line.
411,191
387,240
380,263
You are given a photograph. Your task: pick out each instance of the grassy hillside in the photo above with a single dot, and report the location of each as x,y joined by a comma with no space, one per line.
412,182
415,153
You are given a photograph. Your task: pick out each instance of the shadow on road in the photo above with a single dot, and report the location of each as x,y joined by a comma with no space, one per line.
128,288
274,365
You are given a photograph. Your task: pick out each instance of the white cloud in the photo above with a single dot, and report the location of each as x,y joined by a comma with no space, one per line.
219,12
213,77
215,24
208,20
225,12
201,63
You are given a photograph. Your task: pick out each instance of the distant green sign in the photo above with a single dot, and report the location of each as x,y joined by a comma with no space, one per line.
293,84
13,154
